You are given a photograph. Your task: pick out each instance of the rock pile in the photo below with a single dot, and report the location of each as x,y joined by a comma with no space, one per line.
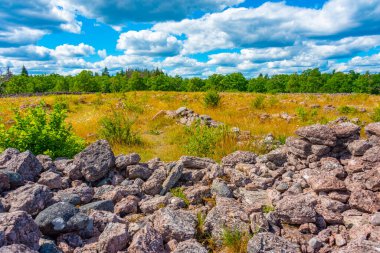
318,193
187,117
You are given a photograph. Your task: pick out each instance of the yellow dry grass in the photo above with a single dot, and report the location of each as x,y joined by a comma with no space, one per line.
165,139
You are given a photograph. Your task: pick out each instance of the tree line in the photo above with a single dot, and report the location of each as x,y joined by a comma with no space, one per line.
309,81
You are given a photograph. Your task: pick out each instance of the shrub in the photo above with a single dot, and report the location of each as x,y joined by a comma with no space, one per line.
212,98
202,140
234,240
347,109
42,132
305,115
117,129
178,192
376,114
258,102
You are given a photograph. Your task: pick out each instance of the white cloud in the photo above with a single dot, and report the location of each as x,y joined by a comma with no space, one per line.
102,53
68,51
147,42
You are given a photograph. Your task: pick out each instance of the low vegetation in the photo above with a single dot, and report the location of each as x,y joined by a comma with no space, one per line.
235,241
178,192
164,138
42,131
212,98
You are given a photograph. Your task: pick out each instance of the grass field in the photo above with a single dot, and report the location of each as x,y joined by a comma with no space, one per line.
164,138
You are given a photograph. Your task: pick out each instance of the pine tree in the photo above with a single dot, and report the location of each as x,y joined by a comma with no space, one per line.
105,72
24,72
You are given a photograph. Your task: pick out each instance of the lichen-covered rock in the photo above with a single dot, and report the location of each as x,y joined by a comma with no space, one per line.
239,157
220,188
359,147
128,205
146,240
114,238
95,161
139,171
373,129
19,228
102,218
152,204
175,224
101,205
268,242
82,194
365,200
31,198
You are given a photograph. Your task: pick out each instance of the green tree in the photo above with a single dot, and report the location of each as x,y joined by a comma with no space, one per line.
24,72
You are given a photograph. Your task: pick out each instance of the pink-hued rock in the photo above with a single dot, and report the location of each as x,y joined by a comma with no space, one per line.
19,228
114,238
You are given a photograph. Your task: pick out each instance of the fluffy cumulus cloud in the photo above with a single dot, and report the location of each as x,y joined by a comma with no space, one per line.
192,38
149,43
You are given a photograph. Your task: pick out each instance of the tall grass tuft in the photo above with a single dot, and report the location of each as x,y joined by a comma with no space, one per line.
234,240
212,98
258,102
117,129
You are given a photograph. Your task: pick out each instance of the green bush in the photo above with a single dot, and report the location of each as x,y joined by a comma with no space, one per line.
376,114
347,109
42,132
307,116
258,102
212,98
117,129
202,140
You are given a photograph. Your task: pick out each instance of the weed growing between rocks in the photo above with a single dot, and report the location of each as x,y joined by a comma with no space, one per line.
178,192
233,240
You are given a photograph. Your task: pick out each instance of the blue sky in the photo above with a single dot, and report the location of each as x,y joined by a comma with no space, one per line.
190,38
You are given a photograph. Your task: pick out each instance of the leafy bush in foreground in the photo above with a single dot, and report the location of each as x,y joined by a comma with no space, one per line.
42,132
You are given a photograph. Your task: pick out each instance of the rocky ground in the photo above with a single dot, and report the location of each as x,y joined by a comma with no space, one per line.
318,193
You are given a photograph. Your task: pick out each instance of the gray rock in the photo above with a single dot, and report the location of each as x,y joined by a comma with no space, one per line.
239,157
48,246
174,175
122,161
51,179
278,156
373,129
345,129
196,162
375,219
95,161
268,242
153,204
220,188
101,205
62,218
153,185
15,179
175,224
139,171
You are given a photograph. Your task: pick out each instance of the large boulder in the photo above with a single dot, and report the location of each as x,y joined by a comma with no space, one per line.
19,228
268,242
373,129
95,161
31,198
62,218
175,224
318,134
366,201
147,240
26,164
